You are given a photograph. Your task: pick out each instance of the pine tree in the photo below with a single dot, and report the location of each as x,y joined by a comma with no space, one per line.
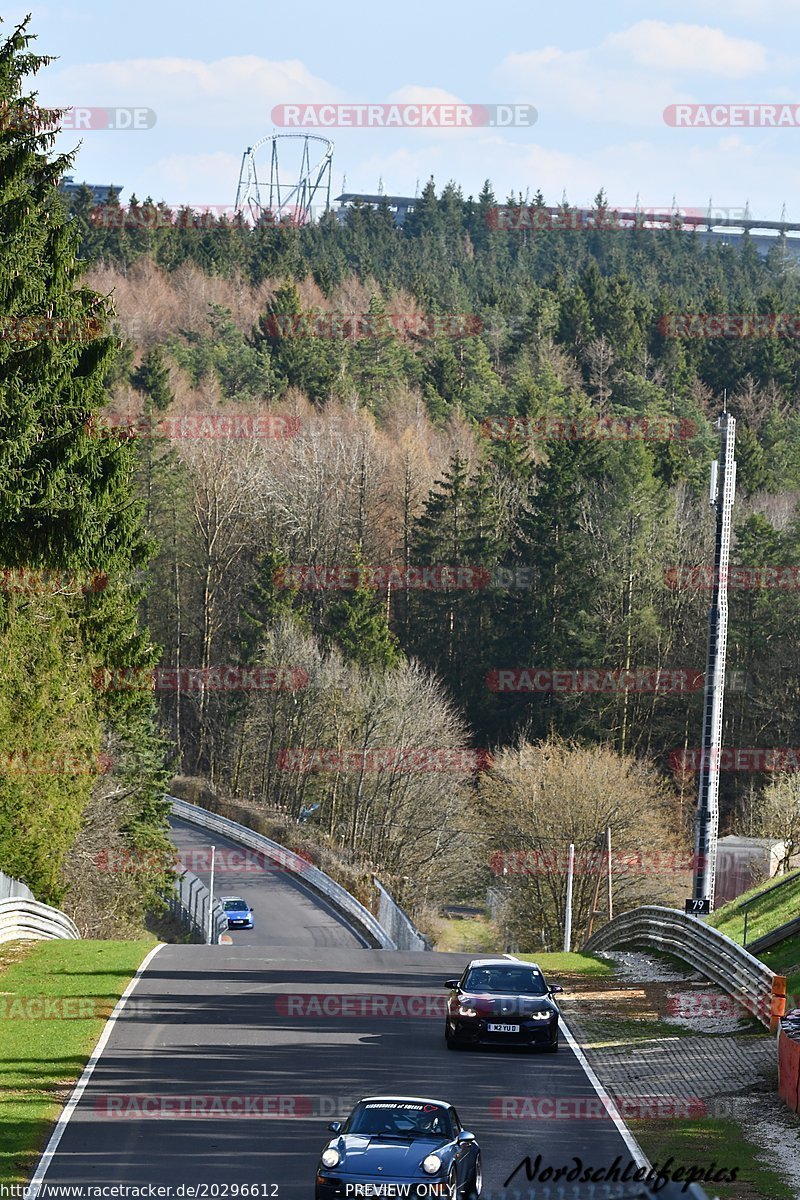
152,378
357,625
66,498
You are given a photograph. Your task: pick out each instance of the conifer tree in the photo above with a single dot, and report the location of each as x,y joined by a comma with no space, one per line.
66,496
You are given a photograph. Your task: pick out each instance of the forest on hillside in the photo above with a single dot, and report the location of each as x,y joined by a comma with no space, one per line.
453,395
369,526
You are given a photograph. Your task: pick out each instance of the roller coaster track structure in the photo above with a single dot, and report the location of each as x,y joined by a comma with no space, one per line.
291,197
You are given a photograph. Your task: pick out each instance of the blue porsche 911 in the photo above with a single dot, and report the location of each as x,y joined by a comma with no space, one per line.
400,1146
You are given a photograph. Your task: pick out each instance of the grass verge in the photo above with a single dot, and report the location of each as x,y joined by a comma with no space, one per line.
463,935
705,1142
558,962
784,959
44,1047
765,915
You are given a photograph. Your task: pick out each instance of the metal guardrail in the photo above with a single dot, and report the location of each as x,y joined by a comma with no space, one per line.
14,889
189,905
397,922
745,905
717,956
779,934
21,918
317,880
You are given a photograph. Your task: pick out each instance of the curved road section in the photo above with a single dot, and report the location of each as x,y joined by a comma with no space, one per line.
227,1062
285,913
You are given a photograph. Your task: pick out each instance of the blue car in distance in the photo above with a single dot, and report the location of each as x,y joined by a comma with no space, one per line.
238,912
400,1146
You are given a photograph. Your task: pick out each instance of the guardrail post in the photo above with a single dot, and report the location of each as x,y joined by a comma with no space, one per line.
778,1005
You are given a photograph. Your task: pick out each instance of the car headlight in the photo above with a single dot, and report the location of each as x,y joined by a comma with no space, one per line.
465,1011
330,1157
542,1016
432,1164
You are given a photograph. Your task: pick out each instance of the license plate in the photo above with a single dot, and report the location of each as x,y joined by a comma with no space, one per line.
503,1028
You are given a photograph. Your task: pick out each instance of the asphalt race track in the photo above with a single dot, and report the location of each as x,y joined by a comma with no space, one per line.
227,1026
284,912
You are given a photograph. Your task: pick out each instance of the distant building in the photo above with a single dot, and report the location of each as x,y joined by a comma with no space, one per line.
100,191
399,206
742,862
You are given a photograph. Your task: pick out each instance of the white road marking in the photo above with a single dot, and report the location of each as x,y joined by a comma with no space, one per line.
34,1187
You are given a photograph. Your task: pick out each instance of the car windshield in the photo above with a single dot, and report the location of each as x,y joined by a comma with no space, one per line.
234,905
397,1118
508,980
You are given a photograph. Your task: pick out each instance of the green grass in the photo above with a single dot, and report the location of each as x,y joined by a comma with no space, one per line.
765,916
706,1141
465,935
42,1057
478,935
784,959
558,962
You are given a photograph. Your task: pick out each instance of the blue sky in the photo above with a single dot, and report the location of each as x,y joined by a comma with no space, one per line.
600,80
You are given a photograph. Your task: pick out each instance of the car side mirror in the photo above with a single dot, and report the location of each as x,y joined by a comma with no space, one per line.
335,1126
451,983
466,1136
555,987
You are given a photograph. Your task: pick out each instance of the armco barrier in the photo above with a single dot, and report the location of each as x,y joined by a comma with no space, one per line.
718,957
315,879
189,905
397,923
20,918
14,889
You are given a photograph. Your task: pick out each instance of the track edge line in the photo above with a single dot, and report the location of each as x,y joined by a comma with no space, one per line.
34,1187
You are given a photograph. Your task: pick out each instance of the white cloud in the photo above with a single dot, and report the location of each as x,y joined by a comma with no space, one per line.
668,47
631,76
580,82
236,92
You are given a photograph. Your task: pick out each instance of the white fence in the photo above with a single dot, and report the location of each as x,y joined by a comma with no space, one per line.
397,922
189,905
